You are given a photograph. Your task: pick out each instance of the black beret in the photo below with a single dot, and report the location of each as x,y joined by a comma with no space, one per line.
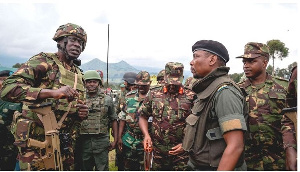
213,47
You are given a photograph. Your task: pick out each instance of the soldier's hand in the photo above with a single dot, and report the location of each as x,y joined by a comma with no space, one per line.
120,144
83,110
147,142
112,145
65,92
176,149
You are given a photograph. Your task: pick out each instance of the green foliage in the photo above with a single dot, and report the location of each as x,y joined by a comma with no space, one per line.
17,65
269,69
236,77
277,50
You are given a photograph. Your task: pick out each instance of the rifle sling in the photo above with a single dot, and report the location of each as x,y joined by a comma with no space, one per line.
69,106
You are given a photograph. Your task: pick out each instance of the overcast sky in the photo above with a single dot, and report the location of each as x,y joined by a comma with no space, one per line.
149,33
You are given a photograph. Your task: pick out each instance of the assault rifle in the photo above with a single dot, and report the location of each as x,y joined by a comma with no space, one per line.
50,148
148,158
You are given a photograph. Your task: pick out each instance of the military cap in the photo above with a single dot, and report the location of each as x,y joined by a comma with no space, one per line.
174,73
142,78
254,49
213,47
122,85
160,75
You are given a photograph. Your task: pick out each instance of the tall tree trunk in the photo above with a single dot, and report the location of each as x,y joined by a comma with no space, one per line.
273,72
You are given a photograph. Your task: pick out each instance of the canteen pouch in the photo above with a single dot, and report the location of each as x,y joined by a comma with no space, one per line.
190,132
22,129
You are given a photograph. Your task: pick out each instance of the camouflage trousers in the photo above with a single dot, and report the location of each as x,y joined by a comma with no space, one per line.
259,158
162,161
133,158
8,151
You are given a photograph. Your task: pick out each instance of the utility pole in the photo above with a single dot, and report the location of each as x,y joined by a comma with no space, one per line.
107,56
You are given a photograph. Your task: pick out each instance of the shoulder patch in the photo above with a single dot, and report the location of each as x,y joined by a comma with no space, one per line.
222,87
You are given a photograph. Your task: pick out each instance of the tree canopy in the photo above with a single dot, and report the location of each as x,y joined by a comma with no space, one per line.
277,50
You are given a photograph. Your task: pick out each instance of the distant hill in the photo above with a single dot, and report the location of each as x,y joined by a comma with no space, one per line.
115,70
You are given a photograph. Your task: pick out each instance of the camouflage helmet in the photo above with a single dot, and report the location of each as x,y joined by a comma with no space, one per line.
254,50
71,29
129,77
160,75
174,73
142,78
91,74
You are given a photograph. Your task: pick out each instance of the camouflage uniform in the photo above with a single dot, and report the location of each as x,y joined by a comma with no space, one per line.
95,132
132,138
264,146
8,151
289,121
169,112
41,71
119,155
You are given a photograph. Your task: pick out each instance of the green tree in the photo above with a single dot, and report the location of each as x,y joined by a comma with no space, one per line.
269,69
283,73
290,67
236,77
17,65
277,50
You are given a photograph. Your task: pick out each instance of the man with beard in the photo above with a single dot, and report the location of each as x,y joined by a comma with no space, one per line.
215,130
169,106
265,96
95,129
53,78
130,140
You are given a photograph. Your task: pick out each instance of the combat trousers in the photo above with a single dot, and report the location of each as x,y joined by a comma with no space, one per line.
134,158
95,152
8,151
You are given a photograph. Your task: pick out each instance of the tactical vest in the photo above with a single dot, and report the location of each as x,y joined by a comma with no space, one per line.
97,121
65,78
203,138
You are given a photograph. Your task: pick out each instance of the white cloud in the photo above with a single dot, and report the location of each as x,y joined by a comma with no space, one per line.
150,33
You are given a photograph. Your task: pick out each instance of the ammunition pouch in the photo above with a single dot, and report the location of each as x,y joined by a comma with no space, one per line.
65,143
131,142
22,131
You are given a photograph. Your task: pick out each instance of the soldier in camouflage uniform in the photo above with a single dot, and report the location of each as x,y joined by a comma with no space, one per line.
129,79
131,141
160,77
169,106
265,96
95,129
289,123
55,78
8,151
